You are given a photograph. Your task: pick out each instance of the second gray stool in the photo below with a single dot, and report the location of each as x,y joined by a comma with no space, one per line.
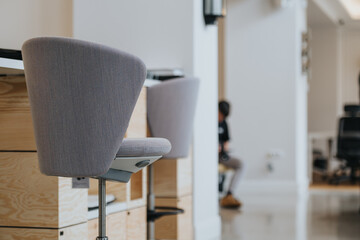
171,111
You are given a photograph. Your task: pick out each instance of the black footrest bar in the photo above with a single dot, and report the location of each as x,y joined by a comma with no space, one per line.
164,211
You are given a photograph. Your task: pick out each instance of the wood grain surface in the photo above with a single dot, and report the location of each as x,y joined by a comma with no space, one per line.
136,185
72,203
31,199
118,189
16,129
136,224
173,177
178,227
125,225
27,197
77,232
138,122
115,226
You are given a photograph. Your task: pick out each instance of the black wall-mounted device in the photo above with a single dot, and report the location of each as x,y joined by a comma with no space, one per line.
214,9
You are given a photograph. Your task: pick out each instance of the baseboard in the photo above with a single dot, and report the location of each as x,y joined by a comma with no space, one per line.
208,229
271,187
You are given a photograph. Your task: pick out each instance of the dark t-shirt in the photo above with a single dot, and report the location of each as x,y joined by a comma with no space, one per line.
223,132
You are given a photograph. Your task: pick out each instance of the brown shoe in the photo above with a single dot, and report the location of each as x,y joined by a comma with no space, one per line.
230,202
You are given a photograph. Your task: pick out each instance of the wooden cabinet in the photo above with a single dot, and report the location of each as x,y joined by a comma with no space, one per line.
129,224
38,207
31,199
16,129
77,232
173,177
178,227
173,188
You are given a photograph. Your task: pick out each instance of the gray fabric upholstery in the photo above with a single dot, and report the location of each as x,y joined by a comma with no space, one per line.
142,147
82,95
171,109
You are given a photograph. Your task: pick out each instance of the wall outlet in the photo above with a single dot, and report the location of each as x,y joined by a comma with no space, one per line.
275,154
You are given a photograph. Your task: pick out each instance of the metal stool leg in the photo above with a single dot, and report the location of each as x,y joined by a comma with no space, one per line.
151,204
102,210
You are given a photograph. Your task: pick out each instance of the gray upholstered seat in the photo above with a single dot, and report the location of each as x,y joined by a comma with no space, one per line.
171,111
140,147
135,154
82,96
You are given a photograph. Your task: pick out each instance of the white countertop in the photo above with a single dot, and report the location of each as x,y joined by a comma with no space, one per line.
11,67
11,63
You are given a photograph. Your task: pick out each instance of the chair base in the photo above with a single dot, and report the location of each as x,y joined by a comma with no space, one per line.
102,238
342,175
153,215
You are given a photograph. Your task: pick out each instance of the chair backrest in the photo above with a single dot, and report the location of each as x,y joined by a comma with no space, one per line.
82,96
171,110
348,144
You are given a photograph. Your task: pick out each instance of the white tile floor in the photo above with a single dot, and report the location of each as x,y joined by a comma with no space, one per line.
321,215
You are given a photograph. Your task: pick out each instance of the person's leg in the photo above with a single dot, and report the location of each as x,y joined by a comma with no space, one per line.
238,167
236,164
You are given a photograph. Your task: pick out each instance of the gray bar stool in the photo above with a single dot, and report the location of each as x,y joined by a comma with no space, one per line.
82,96
171,110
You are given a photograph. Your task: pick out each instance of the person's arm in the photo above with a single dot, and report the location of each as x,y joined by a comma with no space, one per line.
226,146
226,137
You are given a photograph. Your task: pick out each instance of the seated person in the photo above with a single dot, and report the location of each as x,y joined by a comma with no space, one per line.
228,161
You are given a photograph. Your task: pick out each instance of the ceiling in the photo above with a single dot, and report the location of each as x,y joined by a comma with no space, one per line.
329,13
316,17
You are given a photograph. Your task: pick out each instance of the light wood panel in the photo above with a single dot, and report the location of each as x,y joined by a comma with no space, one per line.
138,122
165,179
138,190
74,232
126,225
72,203
136,224
78,232
136,185
173,177
184,176
31,199
118,189
28,198
115,226
16,130
185,224
175,227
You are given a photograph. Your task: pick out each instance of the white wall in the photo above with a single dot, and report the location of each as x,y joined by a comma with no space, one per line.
169,34
335,68
267,92
21,20
350,65
336,52
205,58
157,31
323,90
301,92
